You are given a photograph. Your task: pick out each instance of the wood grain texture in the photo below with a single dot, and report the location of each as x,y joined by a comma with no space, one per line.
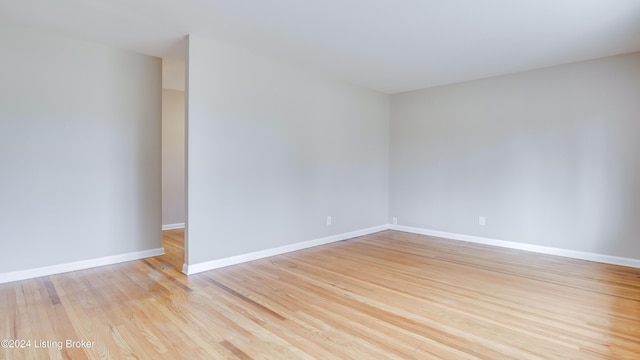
389,295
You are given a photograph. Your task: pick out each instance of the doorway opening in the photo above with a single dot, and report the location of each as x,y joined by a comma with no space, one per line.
174,161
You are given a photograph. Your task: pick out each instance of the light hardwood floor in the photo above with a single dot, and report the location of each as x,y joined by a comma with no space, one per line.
390,295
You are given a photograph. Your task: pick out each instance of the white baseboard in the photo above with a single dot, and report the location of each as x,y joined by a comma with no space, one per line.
77,265
607,259
173,226
233,260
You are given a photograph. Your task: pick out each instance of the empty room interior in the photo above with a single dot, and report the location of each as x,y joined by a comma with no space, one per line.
319,180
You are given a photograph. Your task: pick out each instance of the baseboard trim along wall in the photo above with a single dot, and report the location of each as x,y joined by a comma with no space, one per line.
77,265
607,259
238,259
173,226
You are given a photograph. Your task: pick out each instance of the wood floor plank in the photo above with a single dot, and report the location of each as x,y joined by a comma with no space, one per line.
388,295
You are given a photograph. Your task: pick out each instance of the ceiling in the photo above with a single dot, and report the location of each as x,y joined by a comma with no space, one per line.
388,45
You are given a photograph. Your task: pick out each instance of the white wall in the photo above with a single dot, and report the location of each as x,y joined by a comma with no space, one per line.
173,74
79,150
273,149
173,157
550,157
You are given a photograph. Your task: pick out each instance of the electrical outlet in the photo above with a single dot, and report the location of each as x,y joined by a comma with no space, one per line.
482,221
395,221
328,220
